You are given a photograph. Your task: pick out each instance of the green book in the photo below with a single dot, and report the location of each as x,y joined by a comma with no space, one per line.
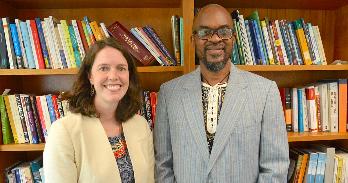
7,136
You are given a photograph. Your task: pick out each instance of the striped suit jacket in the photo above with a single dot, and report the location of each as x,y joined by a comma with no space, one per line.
250,143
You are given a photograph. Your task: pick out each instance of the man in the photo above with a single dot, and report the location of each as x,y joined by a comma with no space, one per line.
219,123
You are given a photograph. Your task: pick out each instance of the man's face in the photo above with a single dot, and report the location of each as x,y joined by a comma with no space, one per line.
213,51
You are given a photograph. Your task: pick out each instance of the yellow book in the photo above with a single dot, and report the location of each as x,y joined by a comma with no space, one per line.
68,43
96,31
102,32
303,43
10,118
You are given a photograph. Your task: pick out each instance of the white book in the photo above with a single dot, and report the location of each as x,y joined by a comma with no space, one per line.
333,106
8,39
294,106
324,107
320,44
45,112
105,30
49,43
78,38
314,44
56,41
286,59
317,104
305,111
245,44
32,44
17,121
21,42
311,109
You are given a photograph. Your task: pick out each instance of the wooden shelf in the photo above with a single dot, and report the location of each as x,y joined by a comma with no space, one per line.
315,136
69,4
282,68
284,4
22,147
75,71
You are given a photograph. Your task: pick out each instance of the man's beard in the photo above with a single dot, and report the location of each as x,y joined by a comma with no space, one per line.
215,66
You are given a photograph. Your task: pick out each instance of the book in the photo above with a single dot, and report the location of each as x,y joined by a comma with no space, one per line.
131,44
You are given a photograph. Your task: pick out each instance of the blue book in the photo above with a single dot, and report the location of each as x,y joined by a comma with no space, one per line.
16,46
156,40
286,42
246,22
43,43
50,108
75,46
35,166
257,51
4,64
27,45
259,43
294,43
300,109
235,56
319,176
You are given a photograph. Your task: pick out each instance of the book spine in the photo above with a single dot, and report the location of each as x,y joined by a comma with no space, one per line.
68,43
55,106
89,30
75,46
44,49
294,43
303,43
11,119
82,34
246,22
102,25
41,117
78,38
56,43
9,44
285,56
314,44
4,63
244,41
151,32
25,126
286,42
51,112
269,54
64,46
95,29
33,128
36,39
27,45
21,43
16,46
36,119
7,136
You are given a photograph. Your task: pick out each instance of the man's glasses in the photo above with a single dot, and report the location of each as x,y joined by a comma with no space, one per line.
205,33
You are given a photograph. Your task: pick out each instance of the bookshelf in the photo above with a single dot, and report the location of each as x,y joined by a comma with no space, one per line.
330,15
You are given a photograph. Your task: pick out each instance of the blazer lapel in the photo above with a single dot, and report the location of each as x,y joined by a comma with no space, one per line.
233,105
192,102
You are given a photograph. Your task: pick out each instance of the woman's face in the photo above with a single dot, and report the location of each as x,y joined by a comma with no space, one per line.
110,76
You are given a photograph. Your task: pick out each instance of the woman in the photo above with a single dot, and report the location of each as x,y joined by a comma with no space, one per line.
103,139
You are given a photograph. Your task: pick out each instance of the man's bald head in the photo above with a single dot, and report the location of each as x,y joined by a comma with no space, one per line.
211,11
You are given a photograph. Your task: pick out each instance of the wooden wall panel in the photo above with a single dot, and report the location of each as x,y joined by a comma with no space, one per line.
341,34
158,18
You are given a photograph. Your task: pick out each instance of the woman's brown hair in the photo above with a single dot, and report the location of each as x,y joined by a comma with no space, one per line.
80,98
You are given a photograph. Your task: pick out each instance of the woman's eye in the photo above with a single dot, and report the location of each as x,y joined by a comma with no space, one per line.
103,68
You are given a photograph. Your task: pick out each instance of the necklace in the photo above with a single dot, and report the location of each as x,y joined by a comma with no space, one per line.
205,80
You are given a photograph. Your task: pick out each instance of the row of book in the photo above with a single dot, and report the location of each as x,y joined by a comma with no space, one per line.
146,46
22,172
47,43
276,42
318,107
318,163
27,118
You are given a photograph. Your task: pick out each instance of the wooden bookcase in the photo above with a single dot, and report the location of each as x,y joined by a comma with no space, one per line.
330,15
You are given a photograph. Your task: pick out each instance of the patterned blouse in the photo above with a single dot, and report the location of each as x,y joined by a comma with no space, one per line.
124,163
212,98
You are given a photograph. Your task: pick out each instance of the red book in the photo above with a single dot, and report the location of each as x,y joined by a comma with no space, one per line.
55,106
82,34
37,44
131,43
